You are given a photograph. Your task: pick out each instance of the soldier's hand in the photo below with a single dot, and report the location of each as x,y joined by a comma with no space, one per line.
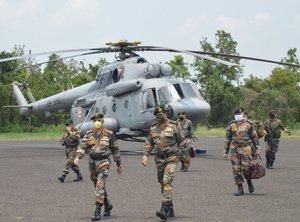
258,151
145,160
225,155
76,161
120,169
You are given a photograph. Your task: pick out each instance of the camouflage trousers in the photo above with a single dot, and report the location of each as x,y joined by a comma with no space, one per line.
165,174
184,154
99,174
272,148
70,155
241,161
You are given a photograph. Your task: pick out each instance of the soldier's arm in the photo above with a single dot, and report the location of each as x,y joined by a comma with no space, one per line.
149,145
115,151
283,127
254,137
63,139
191,129
179,136
228,139
84,146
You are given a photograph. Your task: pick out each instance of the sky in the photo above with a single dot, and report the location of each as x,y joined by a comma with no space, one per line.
262,28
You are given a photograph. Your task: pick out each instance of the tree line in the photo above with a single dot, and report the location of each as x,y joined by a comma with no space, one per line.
222,86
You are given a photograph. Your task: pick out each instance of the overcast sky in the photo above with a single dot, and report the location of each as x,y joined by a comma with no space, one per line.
263,28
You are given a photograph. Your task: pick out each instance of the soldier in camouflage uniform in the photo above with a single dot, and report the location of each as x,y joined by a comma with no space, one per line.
239,136
273,127
70,140
107,204
186,128
164,138
99,143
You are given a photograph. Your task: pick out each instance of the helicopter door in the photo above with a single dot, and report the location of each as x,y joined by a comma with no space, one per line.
149,101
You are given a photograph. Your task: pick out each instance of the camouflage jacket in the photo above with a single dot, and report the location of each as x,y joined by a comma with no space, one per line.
99,145
273,128
186,128
163,140
240,135
70,138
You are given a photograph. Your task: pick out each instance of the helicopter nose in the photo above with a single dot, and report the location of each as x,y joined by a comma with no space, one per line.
196,109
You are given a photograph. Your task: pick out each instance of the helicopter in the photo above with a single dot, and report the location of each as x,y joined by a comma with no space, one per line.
125,91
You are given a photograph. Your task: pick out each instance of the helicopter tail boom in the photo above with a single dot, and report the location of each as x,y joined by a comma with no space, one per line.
21,100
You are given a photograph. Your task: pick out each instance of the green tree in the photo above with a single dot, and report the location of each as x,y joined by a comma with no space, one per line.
179,67
218,81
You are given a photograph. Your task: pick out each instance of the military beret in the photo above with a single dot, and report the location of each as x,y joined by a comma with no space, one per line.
159,109
97,116
68,122
238,111
181,113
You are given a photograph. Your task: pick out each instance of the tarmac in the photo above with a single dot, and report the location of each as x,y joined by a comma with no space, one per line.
30,191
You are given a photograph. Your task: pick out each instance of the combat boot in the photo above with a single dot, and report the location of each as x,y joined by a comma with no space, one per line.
185,169
240,190
79,177
62,178
164,211
182,165
171,210
250,186
97,212
107,208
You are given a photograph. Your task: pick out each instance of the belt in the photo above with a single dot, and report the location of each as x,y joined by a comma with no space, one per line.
98,156
161,155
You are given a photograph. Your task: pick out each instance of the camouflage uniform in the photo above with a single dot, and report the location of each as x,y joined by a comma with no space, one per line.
163,141
239,136
70,140
99,146
273,127
184,154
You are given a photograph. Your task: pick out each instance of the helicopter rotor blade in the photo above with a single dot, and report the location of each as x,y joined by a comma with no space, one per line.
154,48
247,58
197,55
53,60
52,52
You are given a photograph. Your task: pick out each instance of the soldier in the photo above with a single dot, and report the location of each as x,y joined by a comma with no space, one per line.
99,142
186,129
107,204
163,137
239,135
273,127
70,140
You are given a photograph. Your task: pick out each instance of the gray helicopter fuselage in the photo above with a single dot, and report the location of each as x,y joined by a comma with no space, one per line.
126,92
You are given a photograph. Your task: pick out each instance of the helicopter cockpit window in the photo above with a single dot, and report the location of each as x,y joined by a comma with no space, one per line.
189,90
179,90
167,94
149,99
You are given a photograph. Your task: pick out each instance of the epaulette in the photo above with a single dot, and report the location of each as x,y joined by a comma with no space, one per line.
231,122
153,124
173,122
109,131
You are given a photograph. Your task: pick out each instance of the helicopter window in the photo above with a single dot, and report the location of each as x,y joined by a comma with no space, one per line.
126,104
179,90
115,75
189,90
104,109
163,95
114,107
149,99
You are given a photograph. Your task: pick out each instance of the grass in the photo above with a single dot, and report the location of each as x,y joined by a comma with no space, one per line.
203,131
55,133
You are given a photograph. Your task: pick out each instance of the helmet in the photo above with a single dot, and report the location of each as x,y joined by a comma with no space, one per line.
159,109
97,116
